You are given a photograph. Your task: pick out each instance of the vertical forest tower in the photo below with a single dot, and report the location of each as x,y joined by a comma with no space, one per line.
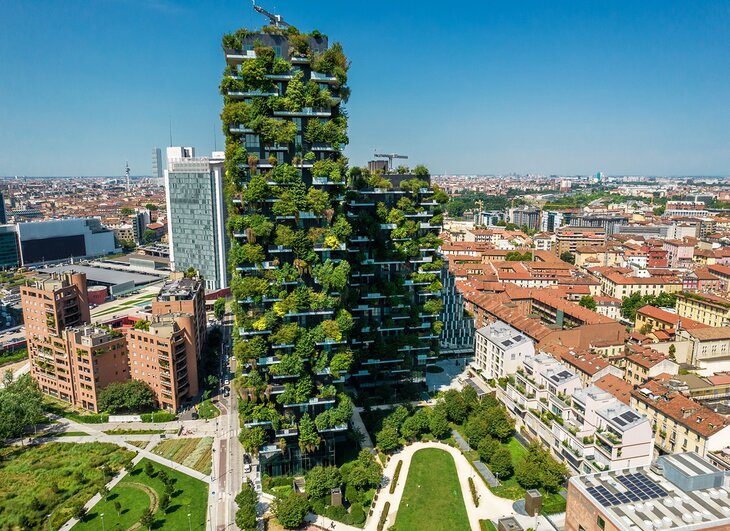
334,272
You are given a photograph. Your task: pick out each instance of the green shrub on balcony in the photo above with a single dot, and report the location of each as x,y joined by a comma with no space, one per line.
244,287
341,362
413,185
331,276
285,174
433,306
249,349
286,334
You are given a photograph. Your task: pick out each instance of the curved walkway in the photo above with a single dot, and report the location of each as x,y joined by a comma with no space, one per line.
490,506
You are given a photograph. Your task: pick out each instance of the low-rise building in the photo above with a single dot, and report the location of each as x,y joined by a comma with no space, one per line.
680,423
587,428
707,345
683,492
642,363
500,350
704,308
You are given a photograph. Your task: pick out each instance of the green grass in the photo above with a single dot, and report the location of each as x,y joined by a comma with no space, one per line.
432,498
486,525
13,356
57,476
62,409
69,434
207,410
120,431
190,496
516,449
194,453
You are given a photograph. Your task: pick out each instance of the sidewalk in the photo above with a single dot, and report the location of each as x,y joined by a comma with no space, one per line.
481,467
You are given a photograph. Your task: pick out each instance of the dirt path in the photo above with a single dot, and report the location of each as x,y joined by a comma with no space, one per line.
154,499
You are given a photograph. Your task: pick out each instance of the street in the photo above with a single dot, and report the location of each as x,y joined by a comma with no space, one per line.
227,475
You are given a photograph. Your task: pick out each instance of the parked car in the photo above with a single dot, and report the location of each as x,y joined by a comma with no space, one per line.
246,463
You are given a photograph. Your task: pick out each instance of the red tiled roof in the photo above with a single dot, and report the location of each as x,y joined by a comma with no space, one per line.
616,386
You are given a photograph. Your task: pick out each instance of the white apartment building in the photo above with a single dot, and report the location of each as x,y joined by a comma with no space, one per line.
500,350
587,428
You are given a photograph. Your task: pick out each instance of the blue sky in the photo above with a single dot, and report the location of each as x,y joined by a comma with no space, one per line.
626,87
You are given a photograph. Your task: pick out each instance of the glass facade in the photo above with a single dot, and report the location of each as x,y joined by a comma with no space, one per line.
195,220
8,247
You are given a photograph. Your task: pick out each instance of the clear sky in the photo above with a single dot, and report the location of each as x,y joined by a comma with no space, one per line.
546,86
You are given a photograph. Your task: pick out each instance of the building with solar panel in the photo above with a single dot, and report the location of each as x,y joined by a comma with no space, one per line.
679,492
588,428
500,350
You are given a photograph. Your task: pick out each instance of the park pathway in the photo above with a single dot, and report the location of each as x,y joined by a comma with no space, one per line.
491,507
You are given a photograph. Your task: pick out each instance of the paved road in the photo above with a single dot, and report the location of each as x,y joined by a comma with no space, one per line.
228,454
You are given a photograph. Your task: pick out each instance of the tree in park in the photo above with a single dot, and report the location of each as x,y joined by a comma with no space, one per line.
21,405
387,438
501,462
149,470
396,418
487,448
321,480
291,511
438,423
586,301
476,428
118,508
78,511
456,408
415,425
365,472
499,423
538,469
147,519
164,501
470,397
246,501
219,308
567,256
130,396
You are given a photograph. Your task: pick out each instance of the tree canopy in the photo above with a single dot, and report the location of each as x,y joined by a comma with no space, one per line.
132,396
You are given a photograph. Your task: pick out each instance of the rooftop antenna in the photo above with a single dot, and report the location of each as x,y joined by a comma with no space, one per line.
276,20
390,157
126,173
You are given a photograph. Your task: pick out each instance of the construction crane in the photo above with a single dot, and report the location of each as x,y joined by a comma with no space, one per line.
390,157
275,20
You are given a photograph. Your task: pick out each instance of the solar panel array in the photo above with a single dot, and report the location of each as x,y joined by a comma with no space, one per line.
641,488
626,418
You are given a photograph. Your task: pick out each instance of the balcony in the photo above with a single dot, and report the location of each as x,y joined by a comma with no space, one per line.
325,147
323,78
325,181
286,76
306,112
238,56
238,95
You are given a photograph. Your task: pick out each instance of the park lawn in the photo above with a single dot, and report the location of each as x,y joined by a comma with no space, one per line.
194,453
487,525
190,496
552,503
57,476
120,431
516,450
207,410
65,410
432,498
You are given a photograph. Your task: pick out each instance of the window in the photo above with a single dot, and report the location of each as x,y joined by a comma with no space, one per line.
601,522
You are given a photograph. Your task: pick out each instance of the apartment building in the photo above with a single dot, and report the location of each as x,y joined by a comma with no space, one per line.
680,423
50,305
722,272
616,283
707,345
641,363
683,491
163,353
184,295
500,350
704,308
567,239
98,358
651,319
72,360
587,428
679,253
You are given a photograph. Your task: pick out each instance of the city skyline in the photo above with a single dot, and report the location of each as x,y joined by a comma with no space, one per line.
633,90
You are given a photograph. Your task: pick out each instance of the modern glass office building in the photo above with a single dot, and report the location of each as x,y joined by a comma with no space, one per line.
196,216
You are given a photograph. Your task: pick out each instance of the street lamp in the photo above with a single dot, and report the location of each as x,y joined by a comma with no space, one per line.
103,528
190,526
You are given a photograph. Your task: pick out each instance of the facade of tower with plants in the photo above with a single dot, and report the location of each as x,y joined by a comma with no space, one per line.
334,273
